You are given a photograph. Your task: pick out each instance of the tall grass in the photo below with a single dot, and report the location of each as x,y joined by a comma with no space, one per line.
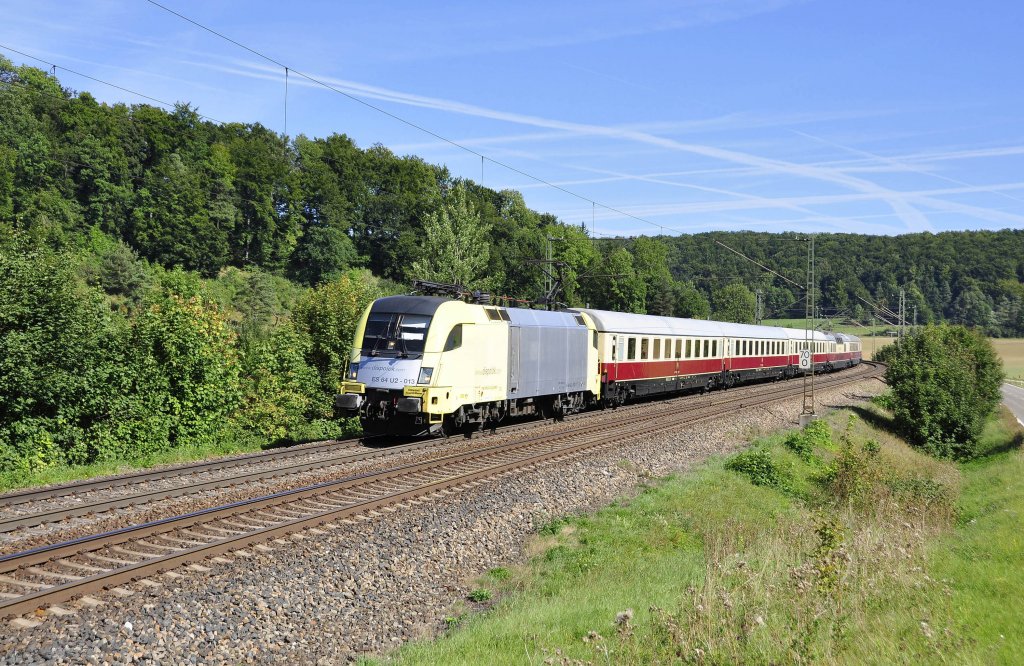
869,552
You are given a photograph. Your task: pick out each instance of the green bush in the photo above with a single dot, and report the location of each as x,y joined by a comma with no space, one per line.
819,434
945,381
758,465
480,595
800,444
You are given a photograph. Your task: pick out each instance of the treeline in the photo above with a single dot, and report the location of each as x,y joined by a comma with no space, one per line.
185,192
169,281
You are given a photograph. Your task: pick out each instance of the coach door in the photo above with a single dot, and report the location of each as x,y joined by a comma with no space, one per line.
514,338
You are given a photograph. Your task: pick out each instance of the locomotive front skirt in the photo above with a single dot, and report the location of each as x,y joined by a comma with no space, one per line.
428,365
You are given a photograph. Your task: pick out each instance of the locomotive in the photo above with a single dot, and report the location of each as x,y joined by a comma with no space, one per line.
431,365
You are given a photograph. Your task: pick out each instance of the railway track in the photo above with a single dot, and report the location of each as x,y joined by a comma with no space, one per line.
93,497
58,572
86,508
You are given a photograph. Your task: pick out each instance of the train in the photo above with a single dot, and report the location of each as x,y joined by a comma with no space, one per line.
430,365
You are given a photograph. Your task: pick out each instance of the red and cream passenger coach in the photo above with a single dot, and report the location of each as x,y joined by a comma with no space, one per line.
645,355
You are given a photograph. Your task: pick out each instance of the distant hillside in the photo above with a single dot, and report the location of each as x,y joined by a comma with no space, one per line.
181,191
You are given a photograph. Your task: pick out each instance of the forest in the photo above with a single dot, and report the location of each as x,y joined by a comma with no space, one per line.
167,280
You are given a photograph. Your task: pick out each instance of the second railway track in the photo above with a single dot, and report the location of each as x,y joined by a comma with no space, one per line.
57,572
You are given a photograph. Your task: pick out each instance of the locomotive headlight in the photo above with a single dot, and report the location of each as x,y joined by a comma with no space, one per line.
425,375
353,370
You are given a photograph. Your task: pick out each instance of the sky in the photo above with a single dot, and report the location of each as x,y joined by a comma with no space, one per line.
633,118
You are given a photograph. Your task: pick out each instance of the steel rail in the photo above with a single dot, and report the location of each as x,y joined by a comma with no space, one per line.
58,514
63,513
343,497
106,483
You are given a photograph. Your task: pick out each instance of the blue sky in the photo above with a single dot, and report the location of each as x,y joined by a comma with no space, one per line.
872,117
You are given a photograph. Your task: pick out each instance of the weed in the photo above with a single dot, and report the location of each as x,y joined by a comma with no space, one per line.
830,558
855,471
800,444
885,401
762,470
480,595
553,527
499,573
819,434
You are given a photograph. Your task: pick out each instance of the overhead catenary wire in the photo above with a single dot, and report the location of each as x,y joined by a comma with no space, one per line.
402,120
54,67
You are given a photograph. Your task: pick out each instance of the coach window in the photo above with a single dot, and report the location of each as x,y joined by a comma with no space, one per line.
679,348
657,349
644,348
631,351
454,340
714,348
707,348
689,349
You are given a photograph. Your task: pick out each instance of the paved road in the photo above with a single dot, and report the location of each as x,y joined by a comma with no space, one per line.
1013,397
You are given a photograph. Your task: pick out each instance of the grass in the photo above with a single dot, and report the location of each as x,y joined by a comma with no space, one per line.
228,445
869,551
1011,350
66,473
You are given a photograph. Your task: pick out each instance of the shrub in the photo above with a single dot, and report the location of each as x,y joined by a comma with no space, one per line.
480,595
329,315
500,573
855,471
819,434
800,444
945,382
762,470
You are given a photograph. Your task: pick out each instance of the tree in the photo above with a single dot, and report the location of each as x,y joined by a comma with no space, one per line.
572,246
455,245
328,315
945,382
734,303
52,358
690,302
650,258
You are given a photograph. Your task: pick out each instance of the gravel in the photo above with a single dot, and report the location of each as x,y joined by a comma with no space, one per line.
325,596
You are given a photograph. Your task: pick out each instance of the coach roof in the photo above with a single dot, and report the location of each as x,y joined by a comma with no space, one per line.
624,322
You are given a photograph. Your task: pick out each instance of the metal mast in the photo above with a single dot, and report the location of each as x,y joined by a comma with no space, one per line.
808,409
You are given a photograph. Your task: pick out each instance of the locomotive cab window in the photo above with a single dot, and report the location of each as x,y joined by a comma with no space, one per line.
454,340
394,334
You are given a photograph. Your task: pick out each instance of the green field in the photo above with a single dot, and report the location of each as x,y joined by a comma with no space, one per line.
865,551
1011,350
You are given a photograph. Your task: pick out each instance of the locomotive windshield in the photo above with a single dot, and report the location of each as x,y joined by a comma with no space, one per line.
395,334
